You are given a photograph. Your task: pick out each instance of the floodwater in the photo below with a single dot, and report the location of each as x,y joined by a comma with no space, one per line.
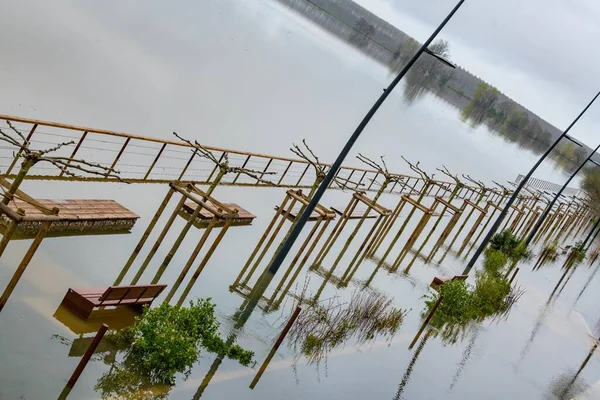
253,75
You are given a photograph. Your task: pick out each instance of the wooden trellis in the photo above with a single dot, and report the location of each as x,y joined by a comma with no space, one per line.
204,208
284,212
382,212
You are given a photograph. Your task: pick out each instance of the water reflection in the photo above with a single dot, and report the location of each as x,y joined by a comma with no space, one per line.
326,325
568,384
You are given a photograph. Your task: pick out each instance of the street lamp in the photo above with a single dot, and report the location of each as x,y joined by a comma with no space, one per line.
291,239
558,194
585,242
514,195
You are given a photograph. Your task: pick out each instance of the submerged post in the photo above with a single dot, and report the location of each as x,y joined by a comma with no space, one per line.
426,322
278,342
86,357
25,262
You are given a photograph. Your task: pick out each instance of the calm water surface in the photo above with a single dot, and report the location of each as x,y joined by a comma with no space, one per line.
252,75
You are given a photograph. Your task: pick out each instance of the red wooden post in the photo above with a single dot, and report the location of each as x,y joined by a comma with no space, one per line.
86,357
429,316
282,335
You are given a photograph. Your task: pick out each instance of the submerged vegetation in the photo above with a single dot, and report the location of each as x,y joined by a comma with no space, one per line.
550,251
492,294
163,342
578,252
322,327
509,245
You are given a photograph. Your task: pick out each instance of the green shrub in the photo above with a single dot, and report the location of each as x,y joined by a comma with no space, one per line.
578,252
494,262
489,296
457,306
167,340
462,303
551,250
510,245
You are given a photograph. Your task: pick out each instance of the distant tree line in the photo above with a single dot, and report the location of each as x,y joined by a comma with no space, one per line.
479,101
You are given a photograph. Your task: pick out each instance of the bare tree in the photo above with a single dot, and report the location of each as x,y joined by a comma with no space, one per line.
223,165
69,166
383,170
320,170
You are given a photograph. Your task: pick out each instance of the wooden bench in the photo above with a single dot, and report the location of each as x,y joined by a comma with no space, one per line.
440,280
82,301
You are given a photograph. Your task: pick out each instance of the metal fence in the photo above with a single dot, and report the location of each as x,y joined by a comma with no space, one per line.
141,159
549,186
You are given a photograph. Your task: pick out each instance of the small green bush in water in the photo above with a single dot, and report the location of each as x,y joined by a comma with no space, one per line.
551,250
167,340
492,295
578,252
457,306
509,244
494,262
489,296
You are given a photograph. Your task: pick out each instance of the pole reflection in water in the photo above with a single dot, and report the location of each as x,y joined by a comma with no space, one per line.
467,353
411,366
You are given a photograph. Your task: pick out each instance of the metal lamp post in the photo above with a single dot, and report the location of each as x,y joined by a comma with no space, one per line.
516,192
289,242
558,194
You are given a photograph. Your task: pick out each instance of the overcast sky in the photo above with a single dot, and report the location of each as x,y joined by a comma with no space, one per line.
541,53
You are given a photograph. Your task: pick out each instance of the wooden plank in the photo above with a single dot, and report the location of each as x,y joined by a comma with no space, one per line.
206,215
475,206
417,205
294,213
357,213
448,204
79,216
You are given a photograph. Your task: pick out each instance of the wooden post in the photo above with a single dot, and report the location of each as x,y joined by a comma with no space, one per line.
429,316
262,239
86,357
471,233
352,235
302,263
24,263
278,342
411,240
360,254
159,240
295,260
514,275
487,222
8,233
204,261
271,239
386,226
177,243
191,260
144,237
445,233
337,230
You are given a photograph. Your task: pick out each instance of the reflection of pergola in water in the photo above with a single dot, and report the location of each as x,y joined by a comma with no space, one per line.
200,210
284,212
